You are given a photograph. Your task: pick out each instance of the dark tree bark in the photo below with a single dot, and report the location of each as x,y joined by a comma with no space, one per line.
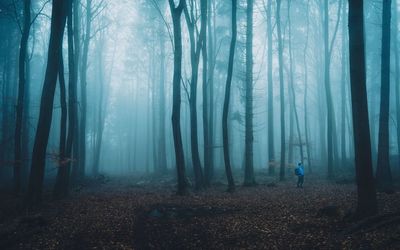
18,161
271,147
61,175
249,179
225,112
281,90
58,19
195,49
383,172
176,12
61,187
366,195
397,76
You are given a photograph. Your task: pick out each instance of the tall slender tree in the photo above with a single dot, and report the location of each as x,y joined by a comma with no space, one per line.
271,147
161,108
58,19
366,195
225,112
383,172
176,13
61,187
281,90
306,123
292,90
397,74
249,179
195,50
22,63
206,125
343,88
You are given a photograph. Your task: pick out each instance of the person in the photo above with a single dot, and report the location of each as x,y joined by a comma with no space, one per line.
299,171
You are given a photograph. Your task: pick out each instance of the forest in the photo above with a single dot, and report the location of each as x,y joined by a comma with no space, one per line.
199,124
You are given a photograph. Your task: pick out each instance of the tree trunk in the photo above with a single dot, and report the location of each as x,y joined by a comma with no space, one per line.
397,78
343,89
162,142
61,187
211,58
366,196
249,168
383,173
176,13
225,112
271,148
18,161
329,117
296,116
281,91
306,126
195,49
46,106
80,172
206,127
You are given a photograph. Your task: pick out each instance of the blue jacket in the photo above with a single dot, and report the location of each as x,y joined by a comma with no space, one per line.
300,170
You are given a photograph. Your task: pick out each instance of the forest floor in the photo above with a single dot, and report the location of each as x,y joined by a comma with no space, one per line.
124,213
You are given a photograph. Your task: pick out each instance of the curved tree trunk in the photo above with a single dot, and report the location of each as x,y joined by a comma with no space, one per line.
176,13
225,112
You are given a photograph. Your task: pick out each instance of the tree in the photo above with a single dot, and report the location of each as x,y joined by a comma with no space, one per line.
331,127
249,139
397,75
58,19
366,195
80,171
292,90
225,112
383,173
61,187
271,148
281,90
343,88
61,175
306,126
21,94
176,12
195,49
162,141
206,124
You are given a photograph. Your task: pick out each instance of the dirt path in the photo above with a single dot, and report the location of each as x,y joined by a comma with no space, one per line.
125,215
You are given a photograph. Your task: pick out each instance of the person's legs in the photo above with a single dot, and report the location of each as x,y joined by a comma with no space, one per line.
298,181
301,180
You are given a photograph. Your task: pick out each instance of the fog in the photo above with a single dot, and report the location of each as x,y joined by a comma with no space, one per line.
125,88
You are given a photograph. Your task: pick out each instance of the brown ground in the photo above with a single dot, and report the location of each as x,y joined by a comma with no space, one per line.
126,214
